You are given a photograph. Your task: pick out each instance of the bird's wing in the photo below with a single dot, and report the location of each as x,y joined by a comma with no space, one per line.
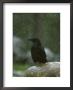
38,54
41,52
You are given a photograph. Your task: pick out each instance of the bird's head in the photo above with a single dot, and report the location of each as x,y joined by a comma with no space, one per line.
35,41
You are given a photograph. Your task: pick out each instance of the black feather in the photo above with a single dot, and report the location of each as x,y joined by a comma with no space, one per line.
37,52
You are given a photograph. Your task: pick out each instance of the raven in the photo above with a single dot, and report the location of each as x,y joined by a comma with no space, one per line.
37,51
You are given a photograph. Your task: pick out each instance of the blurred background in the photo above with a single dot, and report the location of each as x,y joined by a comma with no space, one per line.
45,26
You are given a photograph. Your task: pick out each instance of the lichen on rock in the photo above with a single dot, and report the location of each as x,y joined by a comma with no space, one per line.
50,69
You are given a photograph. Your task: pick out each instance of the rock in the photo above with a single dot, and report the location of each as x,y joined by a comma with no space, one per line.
29,58
49,54
18,74
18,48
50,69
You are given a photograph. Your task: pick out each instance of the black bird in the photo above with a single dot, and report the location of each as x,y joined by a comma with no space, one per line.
37,51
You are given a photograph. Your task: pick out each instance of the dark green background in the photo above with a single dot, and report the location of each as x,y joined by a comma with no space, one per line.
45,26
